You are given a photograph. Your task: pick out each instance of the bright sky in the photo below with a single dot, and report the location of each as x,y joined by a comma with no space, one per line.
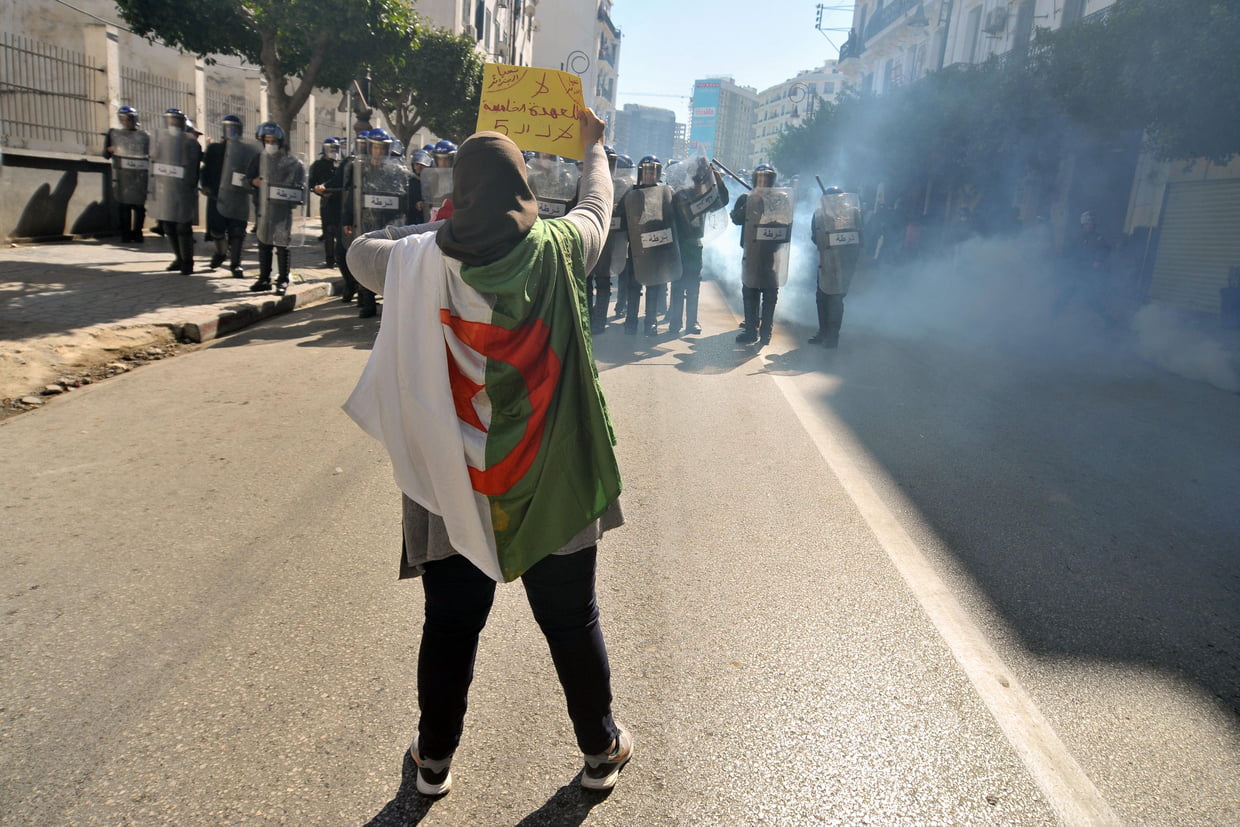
666,45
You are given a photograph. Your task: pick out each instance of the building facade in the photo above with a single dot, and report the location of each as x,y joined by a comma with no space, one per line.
578,36
790,104
645,130
722,121
504,29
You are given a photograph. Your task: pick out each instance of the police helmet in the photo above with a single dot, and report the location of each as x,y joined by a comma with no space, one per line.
127,112
331,148
834,191
174,114
380,136
232,126
624,162
270,128
429,149
611,156
421,157
190,128
767,173
445,150
649,164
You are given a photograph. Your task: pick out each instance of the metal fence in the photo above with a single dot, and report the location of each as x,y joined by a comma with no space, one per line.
48,95
221,103
151,94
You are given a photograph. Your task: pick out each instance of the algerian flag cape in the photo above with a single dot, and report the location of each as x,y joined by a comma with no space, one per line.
483,389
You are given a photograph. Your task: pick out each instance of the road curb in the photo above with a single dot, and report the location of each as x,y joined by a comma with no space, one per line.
206,324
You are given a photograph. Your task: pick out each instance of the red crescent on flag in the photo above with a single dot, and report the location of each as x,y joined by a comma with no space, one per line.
528,351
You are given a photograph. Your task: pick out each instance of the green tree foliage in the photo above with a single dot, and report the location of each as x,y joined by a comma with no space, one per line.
431,78
299,44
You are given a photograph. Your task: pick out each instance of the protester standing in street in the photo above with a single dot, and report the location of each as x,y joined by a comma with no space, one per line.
129,149
490,299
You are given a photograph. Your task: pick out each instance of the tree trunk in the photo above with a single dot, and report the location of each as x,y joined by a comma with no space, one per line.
282,107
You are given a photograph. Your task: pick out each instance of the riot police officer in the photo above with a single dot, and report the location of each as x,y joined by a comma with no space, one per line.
129,149
765,216
174,167
280,181
437,182
321,173
653,250
224,168
376,192
703,193
836,232
612,260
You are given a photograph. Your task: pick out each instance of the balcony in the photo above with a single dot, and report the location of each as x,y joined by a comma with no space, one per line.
852,47
887,15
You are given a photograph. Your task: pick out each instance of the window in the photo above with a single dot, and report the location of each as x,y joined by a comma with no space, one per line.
1072,11
972,31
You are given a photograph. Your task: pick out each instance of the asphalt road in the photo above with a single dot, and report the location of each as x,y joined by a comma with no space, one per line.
910,582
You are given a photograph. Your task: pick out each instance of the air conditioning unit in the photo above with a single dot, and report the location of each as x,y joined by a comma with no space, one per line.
996,21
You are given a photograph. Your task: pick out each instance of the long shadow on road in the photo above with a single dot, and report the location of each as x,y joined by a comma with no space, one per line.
1095,505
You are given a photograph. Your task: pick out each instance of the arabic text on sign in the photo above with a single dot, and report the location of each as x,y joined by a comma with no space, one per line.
840,239
381,202
133,163
657,238
284,194
170,170
772,234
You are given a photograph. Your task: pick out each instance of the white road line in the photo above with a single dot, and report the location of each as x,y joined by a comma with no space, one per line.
1068,790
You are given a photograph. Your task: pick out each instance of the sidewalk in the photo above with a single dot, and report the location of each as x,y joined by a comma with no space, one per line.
68,308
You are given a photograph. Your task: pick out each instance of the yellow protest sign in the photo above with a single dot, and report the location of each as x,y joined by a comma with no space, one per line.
535,107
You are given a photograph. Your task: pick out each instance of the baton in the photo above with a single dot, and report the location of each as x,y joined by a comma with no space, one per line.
820,186
738,179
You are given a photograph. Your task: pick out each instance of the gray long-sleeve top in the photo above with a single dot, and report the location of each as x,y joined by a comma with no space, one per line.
368,255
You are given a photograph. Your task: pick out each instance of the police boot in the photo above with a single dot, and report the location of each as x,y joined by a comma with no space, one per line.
282,258
366,305
749,335
768,316
820,300
264,270
691,308
235,243
835,320
350,287
221,252
187,248
174,244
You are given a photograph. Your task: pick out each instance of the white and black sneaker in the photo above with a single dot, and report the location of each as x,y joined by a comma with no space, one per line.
601,770
434,777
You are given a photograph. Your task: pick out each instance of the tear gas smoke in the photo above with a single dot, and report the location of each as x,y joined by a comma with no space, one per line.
1008,294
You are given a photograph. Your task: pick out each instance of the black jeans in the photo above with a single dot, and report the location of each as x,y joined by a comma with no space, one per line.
560,590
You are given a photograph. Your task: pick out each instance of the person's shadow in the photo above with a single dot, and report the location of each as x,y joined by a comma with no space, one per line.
570,805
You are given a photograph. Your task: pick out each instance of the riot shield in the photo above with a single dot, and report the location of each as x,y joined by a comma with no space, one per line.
436,189
130,165
280,195
616,247
841,213
697,198
652,235
837,234
554,184
176,194
767,236
233,197
380,192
